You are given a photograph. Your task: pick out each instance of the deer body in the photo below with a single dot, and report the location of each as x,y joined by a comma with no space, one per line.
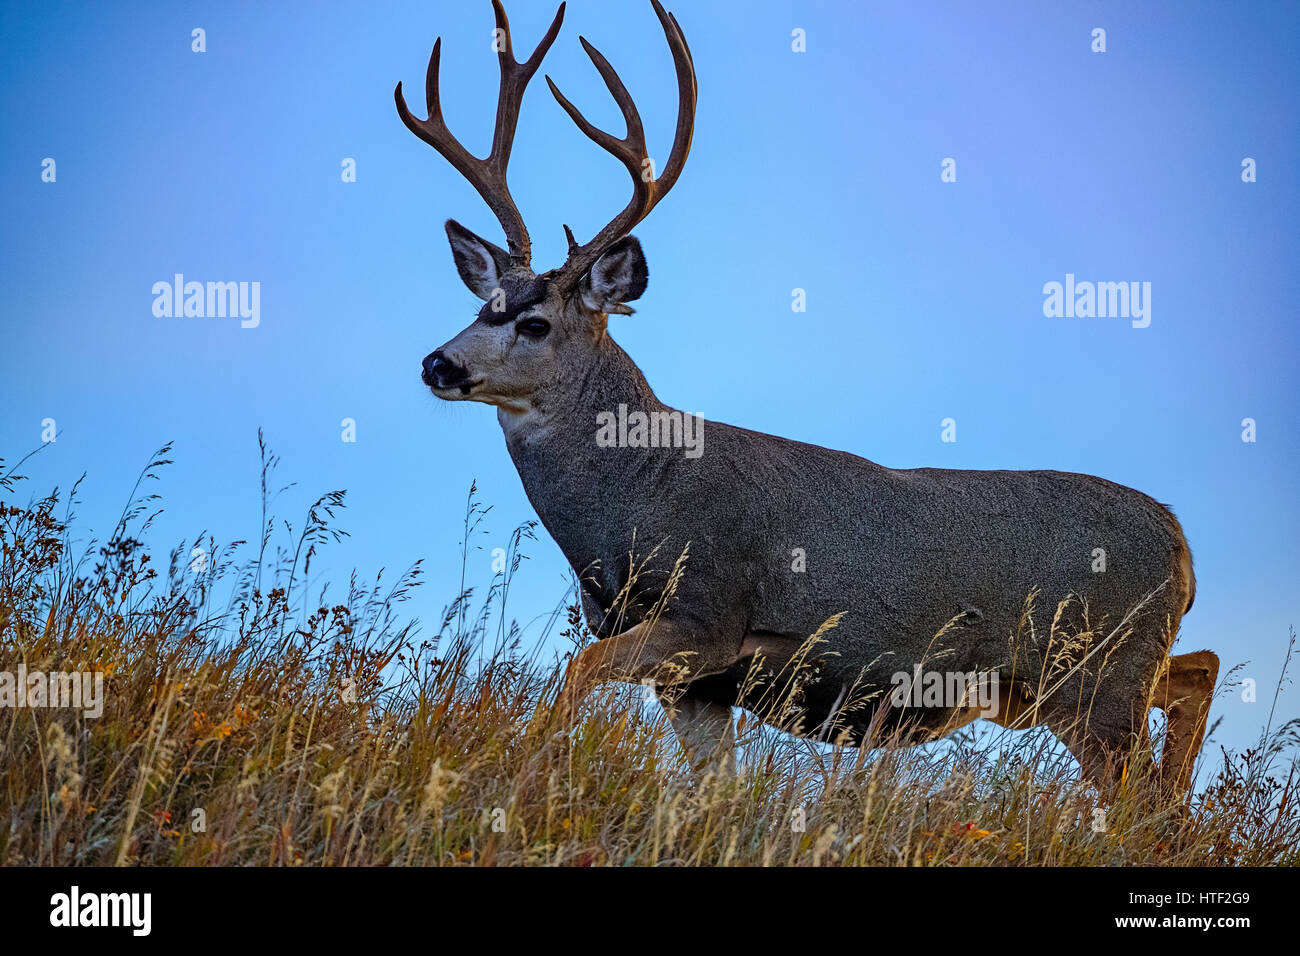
919,569
902,553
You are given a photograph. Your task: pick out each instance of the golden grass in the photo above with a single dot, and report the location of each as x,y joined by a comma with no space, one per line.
265,730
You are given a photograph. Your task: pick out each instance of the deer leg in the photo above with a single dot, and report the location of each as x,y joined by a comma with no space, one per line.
705,731
1101,758
1016,709
665,651
1184,693
1100,747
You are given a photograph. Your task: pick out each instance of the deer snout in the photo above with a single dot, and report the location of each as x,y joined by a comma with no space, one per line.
440,371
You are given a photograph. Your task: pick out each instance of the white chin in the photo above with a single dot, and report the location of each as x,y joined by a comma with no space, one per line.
456,393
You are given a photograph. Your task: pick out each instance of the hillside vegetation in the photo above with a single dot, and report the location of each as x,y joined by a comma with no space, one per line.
245,723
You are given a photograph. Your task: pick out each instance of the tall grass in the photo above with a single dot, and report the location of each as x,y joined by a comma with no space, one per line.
247,723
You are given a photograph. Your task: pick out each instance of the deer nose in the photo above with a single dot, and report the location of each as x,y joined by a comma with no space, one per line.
441,372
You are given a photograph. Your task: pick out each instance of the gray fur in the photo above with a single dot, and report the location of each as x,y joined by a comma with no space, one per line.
901,552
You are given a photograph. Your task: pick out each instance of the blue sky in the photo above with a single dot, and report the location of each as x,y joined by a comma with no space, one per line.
817,170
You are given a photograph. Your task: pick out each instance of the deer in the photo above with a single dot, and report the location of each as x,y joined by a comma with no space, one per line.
901,568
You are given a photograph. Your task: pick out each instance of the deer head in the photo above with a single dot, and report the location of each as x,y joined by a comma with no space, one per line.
536,333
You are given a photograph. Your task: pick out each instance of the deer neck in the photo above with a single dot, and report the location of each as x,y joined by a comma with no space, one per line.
588,497
561,425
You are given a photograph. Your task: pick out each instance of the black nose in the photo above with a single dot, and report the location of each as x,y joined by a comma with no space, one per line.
441,372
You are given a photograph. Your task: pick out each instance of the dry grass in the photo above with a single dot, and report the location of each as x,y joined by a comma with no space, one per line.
301,734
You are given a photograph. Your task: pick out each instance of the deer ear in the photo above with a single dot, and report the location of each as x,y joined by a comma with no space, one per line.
618,276
480,264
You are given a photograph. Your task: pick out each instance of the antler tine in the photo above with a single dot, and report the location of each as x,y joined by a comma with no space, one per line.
687,92
514,80
488,176
631,149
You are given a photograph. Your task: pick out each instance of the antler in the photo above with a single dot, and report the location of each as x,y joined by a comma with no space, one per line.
631,149
488,175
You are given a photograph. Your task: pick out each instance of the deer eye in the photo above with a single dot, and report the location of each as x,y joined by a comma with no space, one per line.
534,328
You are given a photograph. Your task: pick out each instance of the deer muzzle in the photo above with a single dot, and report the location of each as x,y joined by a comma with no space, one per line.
441,372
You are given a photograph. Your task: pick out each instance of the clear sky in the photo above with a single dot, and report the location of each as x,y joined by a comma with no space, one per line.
818,170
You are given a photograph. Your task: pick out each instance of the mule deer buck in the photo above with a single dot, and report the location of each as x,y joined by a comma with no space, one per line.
929,566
